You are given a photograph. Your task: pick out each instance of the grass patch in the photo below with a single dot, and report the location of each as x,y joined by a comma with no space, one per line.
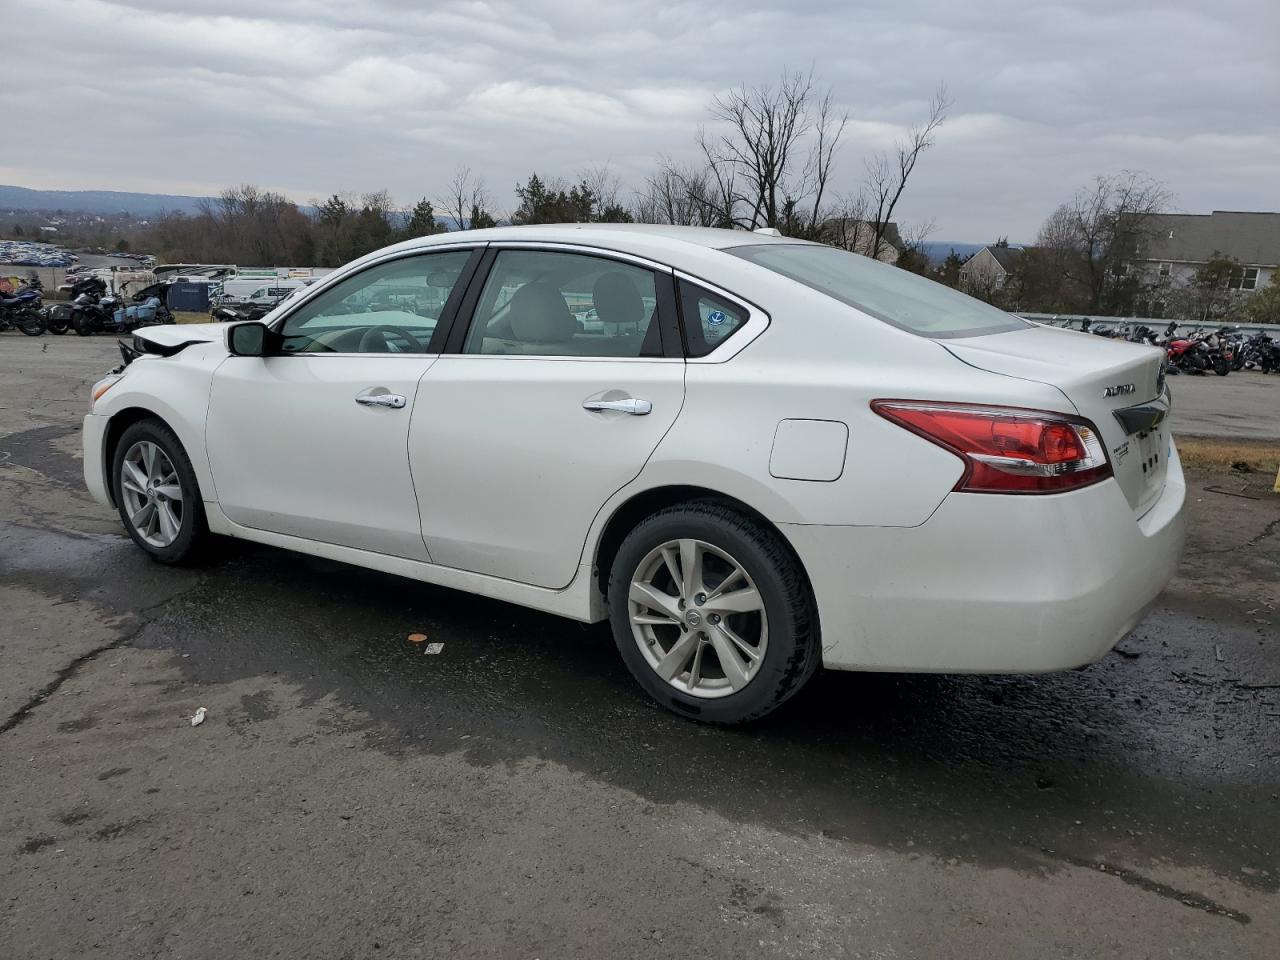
184,317
1259,456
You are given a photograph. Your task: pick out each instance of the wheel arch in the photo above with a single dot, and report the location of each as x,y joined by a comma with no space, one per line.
119,422
643,503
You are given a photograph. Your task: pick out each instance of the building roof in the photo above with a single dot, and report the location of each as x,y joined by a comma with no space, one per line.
1007,257
1251,238
892,236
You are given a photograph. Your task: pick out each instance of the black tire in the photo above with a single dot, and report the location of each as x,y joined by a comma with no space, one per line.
32,324
82,324
1221,366
792,653
57,325
193,532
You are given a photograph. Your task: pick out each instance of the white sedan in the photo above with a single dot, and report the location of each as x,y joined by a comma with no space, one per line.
767,457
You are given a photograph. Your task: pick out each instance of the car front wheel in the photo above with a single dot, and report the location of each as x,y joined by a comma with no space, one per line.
157,494
712,614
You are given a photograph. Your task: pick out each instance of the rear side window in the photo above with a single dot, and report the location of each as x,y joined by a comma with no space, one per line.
898,297
709,319
555,304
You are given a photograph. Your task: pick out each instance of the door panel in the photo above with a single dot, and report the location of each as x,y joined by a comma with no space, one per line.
510,468
293,451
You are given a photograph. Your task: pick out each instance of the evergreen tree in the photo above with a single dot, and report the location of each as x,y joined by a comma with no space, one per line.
422,222
479,219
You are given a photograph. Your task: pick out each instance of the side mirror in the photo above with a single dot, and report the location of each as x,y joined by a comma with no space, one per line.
247,339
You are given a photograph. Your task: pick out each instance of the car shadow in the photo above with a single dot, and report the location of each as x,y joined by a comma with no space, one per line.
1100,764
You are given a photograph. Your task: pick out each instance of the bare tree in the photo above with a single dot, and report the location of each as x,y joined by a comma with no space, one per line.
845,225
248,225
1105,225
604,184
887,175
678,195
828,129
467,192
771,165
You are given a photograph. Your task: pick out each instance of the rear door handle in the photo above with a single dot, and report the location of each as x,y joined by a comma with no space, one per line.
393,400
637,408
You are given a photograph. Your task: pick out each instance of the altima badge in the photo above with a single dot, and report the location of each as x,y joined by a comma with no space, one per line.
1119,390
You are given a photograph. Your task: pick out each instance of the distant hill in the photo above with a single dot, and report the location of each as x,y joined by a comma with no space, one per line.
96,201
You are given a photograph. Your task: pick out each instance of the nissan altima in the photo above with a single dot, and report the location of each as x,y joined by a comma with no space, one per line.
761,456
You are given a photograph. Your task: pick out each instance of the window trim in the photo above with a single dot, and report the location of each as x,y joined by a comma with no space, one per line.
664,288
444,323
757,322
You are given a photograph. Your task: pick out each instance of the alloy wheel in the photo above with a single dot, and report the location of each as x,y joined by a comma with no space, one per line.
698,618
152,493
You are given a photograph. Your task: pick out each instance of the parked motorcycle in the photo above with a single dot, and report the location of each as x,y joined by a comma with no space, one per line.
92,313
1198,353
22,311
61,316
1260,352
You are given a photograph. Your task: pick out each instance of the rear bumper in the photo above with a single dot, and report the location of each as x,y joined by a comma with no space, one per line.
93,438
993,584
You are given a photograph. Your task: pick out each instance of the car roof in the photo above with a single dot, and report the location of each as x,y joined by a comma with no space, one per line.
638,237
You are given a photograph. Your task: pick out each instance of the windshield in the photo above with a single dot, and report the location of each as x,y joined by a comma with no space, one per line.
898,297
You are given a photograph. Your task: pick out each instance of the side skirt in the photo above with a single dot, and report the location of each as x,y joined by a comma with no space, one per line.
578,601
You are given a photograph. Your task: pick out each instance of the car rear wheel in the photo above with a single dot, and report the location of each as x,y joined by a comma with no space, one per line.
156,493
712,613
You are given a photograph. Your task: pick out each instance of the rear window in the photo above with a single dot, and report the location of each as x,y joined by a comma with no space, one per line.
898,297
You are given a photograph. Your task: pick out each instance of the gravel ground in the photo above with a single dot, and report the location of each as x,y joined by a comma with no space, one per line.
516,796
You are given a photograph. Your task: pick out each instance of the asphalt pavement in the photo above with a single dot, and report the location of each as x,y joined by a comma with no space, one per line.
517,796
1244,405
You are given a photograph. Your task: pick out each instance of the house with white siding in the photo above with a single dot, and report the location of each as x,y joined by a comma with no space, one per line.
989,269
1178,244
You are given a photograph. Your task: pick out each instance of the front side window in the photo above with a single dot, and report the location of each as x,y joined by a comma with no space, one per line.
389,308
897,297
552,304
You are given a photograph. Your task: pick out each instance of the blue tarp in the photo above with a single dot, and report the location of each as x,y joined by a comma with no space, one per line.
189,297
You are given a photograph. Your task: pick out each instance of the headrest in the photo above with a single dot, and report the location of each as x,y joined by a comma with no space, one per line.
540,315
616,299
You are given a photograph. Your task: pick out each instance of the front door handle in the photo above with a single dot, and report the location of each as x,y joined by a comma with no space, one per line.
393,400
637,408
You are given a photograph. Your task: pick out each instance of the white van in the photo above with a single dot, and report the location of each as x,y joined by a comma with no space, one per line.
265,290
269,292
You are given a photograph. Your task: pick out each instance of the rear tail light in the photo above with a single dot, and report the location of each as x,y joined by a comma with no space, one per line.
1007,449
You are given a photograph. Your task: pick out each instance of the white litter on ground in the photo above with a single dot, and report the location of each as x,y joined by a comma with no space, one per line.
199,717
433,648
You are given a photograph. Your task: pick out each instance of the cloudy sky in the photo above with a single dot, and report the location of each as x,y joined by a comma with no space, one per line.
310,97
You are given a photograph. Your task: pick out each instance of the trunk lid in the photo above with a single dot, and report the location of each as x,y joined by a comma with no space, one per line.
1117,385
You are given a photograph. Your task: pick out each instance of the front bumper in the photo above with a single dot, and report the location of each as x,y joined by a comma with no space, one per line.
993,584
93,439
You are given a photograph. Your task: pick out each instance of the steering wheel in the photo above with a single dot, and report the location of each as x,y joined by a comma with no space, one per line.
381,330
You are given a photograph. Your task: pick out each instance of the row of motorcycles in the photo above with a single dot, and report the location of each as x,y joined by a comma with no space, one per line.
92,310
1202,351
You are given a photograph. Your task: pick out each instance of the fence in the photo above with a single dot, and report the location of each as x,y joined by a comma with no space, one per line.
1075,321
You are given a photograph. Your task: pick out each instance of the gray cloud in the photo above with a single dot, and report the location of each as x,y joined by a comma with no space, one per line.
313,96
